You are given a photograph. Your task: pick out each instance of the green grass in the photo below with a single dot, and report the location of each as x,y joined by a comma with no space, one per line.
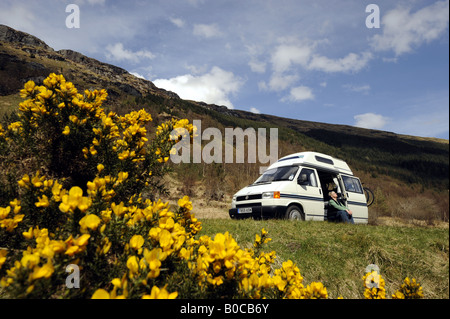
338,254
9,103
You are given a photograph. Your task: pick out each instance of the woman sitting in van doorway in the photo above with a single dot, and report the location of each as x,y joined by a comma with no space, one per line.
343,212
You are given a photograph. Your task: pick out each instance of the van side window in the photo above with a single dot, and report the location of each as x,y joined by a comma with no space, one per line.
312,181
352,184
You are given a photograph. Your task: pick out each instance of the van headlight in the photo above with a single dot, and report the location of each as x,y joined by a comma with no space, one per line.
267,195
234,198
270,195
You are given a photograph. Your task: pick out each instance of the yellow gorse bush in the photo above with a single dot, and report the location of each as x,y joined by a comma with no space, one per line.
374,285
78,187
409,289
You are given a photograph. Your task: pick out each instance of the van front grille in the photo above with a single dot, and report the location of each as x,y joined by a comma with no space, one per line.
249,205
248,197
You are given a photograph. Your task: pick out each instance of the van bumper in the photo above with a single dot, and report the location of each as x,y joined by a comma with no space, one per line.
259,212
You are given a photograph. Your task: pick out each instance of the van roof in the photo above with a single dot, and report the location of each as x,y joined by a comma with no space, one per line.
316,160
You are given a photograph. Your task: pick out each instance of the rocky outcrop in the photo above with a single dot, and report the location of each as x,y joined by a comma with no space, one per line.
24,57
11,35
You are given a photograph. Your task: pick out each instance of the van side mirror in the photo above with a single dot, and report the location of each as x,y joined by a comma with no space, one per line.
302,179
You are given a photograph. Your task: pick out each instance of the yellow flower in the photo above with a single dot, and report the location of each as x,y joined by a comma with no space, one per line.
185,203
316,291
76,245
11,223
165,239
398,295
66,130
257,240
43,272
100,168
133,265
90,221
73,119
163,160
43,202
72,250
67,89
30,259
82,240
153,259
3,253
160,294
44,94
92,150
56,191
122,176
119,210
28,90
375,286
4,212
24,181
100,294
15,127
279,282
28,234
38,181
73,200
410,289
136,242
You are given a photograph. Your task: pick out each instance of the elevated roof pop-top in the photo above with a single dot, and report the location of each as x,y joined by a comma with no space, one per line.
316,160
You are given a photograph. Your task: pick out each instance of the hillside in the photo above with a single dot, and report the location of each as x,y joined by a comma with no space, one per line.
408,174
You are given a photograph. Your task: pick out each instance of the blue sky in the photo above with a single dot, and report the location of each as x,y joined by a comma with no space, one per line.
309,60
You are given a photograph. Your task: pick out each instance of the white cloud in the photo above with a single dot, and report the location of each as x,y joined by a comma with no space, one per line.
18,16
138,75
280,82
214,87
117,52
426,125
300,94
195,3
365,88
371,121
403,30
257,66
255,110
91,2
351,63
178,22
194,69
291,57
286,55
207,30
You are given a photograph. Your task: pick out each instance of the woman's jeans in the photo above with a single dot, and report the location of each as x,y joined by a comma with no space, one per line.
345,217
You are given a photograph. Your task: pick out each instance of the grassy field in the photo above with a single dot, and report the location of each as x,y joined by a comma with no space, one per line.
338,254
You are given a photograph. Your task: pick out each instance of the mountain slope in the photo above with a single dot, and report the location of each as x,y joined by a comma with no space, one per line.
398,167
24,57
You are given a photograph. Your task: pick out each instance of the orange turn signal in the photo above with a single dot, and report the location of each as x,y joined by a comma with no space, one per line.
276,194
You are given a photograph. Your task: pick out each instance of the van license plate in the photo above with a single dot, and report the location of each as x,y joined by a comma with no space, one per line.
244,210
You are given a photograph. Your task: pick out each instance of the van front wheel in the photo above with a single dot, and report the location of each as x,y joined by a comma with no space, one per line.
294,213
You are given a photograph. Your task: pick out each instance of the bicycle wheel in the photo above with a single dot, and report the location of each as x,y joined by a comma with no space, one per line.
369,196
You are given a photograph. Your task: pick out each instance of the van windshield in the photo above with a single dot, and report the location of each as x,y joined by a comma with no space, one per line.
285,173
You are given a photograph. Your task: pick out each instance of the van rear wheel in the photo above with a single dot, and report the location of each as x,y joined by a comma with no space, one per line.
294,213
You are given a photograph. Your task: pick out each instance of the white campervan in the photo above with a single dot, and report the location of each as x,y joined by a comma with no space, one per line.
297,187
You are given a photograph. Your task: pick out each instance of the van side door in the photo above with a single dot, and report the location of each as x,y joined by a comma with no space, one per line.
310,194
356,199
